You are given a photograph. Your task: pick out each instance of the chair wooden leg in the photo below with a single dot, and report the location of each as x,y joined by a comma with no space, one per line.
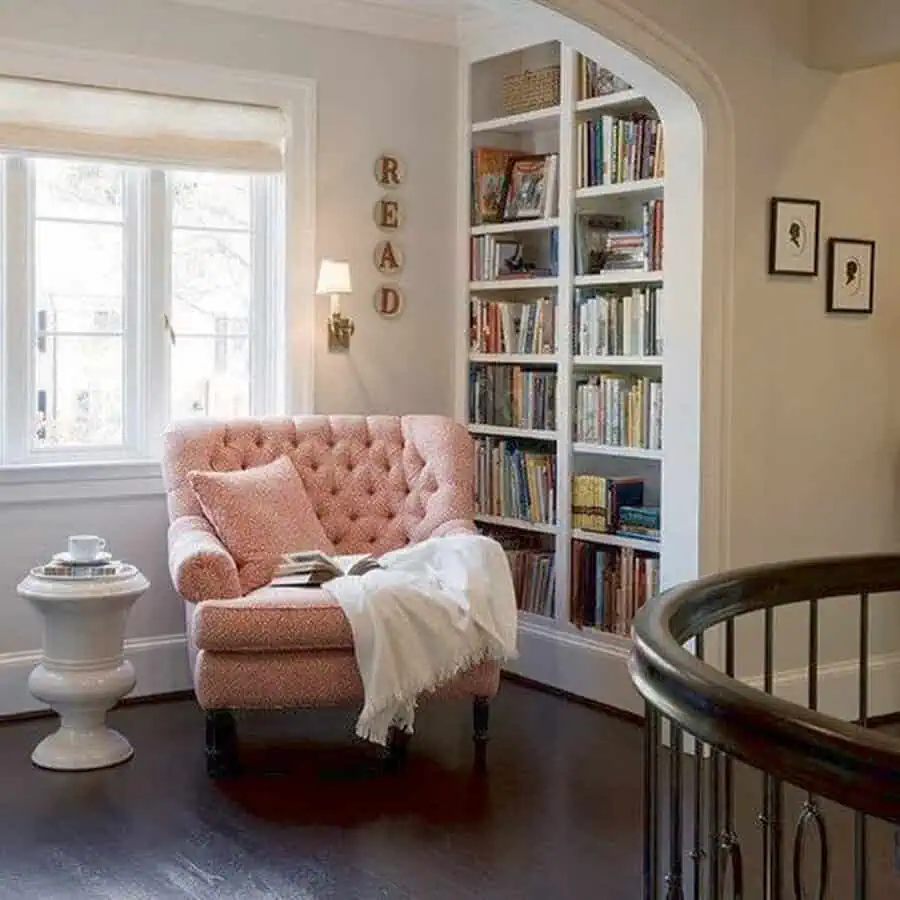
221,744
481,713
397,748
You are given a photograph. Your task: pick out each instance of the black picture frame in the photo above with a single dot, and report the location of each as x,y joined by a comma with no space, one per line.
842,253
780,215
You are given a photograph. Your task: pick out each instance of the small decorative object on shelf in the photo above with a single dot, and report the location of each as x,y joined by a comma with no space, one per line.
851,275
595,81
489,167
529,189
793,236
84,597
528,91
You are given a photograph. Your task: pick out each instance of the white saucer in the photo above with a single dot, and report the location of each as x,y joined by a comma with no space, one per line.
66,557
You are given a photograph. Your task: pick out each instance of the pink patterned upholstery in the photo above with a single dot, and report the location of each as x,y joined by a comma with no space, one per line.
377,484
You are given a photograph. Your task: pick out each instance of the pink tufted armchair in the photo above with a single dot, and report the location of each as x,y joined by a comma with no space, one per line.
378,484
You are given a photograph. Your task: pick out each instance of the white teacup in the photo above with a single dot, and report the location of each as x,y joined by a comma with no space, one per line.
85,547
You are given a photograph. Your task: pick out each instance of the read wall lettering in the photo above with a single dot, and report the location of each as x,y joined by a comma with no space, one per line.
387,214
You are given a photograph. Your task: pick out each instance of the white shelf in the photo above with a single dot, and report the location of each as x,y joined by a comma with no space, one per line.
621,361
619,276
528,359
606,450
515,227
515,284
520,524
615,540
612,101
599,636
530,121
623,188
500,431
536,619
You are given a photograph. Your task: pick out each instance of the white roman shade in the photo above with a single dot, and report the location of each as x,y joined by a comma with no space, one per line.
153,129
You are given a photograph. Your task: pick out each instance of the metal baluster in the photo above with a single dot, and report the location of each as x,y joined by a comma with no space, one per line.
674,890
651,825
811,815
729,845
714,825
771,787
698,853
860,848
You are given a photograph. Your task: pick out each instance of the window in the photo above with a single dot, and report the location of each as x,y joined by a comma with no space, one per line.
136,288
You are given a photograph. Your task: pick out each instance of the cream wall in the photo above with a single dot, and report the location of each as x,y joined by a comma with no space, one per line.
811,467
848,34
373,94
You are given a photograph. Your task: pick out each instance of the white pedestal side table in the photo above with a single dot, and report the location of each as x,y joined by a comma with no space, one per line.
83,672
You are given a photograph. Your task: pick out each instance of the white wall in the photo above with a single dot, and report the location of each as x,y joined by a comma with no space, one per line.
374,94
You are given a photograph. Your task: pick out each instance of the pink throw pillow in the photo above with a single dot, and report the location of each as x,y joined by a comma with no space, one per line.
260,513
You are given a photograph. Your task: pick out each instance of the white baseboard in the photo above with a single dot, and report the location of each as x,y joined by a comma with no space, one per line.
587,668
839,686
576,664
161,665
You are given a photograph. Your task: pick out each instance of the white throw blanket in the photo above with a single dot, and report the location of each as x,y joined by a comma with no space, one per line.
435,610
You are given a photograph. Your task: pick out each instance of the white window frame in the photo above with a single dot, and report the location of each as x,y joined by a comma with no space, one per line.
294,320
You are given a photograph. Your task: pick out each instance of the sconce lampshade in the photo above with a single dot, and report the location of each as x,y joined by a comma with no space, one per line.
334,277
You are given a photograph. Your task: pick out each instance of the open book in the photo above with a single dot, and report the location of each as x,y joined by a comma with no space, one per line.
310,568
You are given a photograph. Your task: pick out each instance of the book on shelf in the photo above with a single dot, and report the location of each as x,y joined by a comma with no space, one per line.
500,326
609,585
532,566
311,568
597,500
619,410
604,243
534,578
616,150
489,165
607,324
512,396
641,522
595,81
494,258
514,483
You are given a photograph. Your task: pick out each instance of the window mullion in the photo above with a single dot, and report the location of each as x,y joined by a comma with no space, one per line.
158,308
134,261
268,325
19,311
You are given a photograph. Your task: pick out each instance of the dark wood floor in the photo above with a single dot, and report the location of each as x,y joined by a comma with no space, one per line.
315,818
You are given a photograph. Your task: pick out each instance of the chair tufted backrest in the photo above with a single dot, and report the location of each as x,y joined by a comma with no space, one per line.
377,483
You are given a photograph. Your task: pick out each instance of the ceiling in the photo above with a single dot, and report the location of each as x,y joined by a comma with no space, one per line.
427,20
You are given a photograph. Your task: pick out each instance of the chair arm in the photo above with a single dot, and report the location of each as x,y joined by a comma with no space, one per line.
201,567
455,526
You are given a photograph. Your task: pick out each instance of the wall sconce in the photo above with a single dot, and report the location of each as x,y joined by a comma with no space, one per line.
334,280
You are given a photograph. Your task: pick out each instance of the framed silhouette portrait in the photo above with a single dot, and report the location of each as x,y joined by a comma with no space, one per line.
851,275
793,237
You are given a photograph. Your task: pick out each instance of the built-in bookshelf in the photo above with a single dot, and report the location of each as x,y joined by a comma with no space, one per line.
563,297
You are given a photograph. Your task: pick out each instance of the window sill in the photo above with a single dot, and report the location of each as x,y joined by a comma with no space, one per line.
66,481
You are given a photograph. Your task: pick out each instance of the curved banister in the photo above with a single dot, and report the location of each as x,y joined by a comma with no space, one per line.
854,766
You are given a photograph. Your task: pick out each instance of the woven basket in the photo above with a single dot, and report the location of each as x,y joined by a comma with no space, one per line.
531,90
